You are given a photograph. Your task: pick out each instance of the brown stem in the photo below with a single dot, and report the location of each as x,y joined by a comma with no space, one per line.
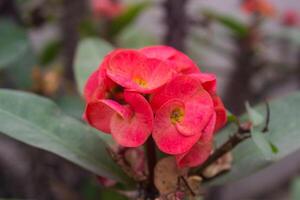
177,22
73,13
239,88
187,185
266,128
8,8
241,135
151,161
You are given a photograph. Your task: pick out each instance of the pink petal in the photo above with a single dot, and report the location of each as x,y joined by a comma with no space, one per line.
165,133
182,87
133,131
98,84
179,61
208,131
98,115
221,117
195,118
134,71
160,73
106,182
158,52
209,81
91,85
195,156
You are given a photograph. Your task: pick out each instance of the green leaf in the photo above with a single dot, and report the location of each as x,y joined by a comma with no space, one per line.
262,144
273,147
284,133
132,37
111,194
295,189
20,72
233,24
255,117
38,122
13,43
90,53
122,21
16,55
231,118
50,52
72,105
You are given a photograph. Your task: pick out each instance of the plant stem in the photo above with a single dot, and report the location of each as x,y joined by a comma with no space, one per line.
151,161
177,22
241,135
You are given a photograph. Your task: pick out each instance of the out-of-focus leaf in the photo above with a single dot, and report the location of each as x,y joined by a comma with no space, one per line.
72,105
110,194
20,72
262,144
90,53
90,190
274,148
127,17
50,52
255,117
237,27
38,122
231,117
291,34
13,43
284,133
295,189
16,55
133,37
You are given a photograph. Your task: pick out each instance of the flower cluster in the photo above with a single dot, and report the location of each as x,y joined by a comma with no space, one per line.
261,7
106,8
156,92
290,18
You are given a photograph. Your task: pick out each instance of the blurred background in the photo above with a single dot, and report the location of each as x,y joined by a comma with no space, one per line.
253,46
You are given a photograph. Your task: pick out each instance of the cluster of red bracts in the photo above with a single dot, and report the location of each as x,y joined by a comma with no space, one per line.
106,8
156,92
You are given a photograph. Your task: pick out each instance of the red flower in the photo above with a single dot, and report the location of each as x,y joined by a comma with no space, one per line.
262,7
106,8
180,62
136,72
290,18
156,90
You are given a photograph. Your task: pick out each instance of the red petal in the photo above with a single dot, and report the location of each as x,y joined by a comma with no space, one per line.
98,83
209,81
182,87
178,60
196,117
195,156
165,133
220,112
134,130
134,71
91,85
208,132
98,115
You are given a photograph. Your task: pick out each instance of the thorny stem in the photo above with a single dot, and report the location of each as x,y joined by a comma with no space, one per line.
266,128
241,135
186,185
151,161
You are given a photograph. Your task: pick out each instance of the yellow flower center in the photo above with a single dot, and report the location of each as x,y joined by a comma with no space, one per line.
140,81
177,115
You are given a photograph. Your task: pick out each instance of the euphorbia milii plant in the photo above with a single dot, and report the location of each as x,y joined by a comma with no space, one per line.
156,93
